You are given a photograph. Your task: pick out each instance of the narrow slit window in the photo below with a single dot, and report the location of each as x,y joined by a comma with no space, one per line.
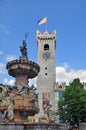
45,73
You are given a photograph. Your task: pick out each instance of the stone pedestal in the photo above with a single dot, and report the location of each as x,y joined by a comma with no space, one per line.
11,126
30,126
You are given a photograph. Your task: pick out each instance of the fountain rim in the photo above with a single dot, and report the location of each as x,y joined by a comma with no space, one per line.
19,67
21,61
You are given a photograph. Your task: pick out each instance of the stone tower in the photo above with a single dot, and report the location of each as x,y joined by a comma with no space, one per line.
46,79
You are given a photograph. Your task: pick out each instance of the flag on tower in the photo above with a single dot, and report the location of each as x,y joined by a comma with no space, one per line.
42,21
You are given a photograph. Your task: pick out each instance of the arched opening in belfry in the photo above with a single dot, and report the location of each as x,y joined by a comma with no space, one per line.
46,47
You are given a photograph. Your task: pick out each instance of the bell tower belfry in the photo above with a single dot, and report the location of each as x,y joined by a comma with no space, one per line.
46,79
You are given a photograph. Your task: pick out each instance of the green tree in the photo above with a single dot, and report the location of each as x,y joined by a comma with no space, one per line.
72,107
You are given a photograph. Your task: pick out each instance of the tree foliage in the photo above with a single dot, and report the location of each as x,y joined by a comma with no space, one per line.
72,107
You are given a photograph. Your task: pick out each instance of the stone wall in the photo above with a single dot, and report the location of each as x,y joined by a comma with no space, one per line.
37,126
82,126
31,126
11,126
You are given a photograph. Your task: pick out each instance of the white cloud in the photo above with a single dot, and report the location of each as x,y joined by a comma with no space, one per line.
1,52
2,68
4,30
12,81
10,57
8,82
33,81
63,75
65,65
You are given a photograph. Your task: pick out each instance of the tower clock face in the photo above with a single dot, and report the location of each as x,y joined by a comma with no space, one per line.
46,55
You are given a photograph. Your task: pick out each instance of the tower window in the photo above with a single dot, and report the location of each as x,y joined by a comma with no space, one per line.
45,73
46,47
45,68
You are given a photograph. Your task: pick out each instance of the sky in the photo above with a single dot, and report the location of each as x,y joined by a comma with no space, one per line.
67,17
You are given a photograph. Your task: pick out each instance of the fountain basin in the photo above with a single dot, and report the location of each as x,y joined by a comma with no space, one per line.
23,67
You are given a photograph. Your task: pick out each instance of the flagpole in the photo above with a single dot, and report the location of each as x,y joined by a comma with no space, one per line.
46,23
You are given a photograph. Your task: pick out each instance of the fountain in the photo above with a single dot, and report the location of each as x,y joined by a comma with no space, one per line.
20,102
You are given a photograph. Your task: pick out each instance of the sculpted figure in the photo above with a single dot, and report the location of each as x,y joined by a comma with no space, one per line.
23,50
52,117
48,116
8,115
10,111
45,117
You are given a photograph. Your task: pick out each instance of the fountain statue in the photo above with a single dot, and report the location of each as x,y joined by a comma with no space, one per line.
19,102
23,50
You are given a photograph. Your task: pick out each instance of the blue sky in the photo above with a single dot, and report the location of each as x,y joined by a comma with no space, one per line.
67,17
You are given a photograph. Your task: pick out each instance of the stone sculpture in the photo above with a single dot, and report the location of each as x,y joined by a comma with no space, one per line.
19,101
48,116
9,102
23,50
